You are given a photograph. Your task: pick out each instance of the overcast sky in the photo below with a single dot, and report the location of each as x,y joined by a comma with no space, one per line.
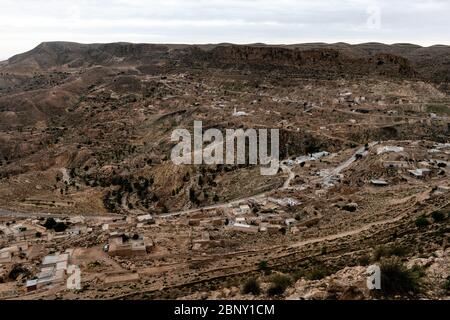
26,23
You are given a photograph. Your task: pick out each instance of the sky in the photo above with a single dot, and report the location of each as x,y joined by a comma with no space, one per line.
26,23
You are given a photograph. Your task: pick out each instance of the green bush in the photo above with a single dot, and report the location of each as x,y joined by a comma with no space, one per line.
263,265
398,250
279,284
364,260
298,274
317,273
251,286
422,222
397,279
447,285
60,227
50,223
438,216
389,251
379,252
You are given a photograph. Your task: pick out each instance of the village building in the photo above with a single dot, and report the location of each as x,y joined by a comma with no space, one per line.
53,271
396,164
121,245
145,219
244,228
420,173
379,182
387,149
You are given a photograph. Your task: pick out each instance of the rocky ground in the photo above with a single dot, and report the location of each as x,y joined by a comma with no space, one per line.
85,130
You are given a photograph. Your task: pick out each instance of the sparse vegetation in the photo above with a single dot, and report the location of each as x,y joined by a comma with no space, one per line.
251,286
97,141
264,266
422,222
279,283
317,273
438,216
389,251
447,285
439,108
397,279
60,227
49,223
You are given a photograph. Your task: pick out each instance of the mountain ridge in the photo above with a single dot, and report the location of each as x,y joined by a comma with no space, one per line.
430,63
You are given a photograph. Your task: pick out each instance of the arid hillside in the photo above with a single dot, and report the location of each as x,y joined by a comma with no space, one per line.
90,124
86,175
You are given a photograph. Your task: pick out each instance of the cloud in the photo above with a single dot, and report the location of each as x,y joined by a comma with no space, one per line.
26,23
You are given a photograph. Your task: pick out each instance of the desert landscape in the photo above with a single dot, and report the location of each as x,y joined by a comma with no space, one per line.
86,177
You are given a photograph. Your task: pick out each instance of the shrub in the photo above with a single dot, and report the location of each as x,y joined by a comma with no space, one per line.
60,227
438,216
388,251
298,274
317,273
263,265
364,260
397,279
379,253
447,285
251,286
49,223
279,283
398,250
422,222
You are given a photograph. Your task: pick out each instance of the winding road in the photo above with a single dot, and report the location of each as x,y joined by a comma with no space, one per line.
324,180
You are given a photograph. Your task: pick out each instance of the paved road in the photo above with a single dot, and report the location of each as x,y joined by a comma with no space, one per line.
15,214
285,186
344,165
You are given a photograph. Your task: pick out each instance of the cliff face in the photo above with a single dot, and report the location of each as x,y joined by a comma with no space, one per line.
273,56
318,61
50,55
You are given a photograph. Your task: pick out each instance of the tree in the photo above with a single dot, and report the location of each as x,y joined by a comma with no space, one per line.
60,227
264,266
422,222
49,223
192,195
438,216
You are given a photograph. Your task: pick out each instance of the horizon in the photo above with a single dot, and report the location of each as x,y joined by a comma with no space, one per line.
25,23
232,43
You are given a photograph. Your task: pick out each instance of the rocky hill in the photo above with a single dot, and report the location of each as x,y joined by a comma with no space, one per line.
104,113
